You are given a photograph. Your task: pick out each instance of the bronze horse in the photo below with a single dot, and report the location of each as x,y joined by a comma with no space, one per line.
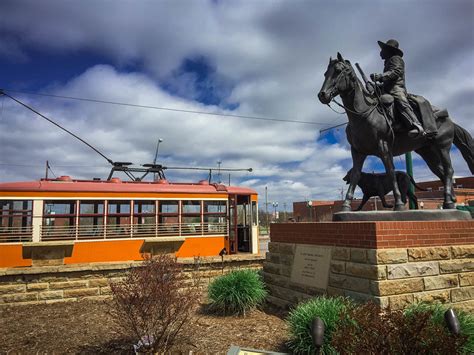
369,133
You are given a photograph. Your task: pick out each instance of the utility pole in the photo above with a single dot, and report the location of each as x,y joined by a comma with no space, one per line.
266,207
411,188
219,172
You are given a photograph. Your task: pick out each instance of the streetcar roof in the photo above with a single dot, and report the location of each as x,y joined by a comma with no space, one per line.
66,184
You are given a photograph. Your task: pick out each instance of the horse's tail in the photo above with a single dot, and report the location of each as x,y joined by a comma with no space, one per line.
415,184
464,142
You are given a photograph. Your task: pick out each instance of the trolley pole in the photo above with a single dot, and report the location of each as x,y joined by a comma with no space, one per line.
409,167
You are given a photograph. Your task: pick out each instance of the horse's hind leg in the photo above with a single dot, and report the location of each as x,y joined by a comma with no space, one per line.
387,159
448,179
357,162
439,162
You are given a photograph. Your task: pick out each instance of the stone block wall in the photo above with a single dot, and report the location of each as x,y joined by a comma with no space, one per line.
405,266
69,283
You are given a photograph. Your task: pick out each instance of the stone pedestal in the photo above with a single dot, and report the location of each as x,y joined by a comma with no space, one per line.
392,263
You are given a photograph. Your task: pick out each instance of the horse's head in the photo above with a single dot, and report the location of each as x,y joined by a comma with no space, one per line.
339,78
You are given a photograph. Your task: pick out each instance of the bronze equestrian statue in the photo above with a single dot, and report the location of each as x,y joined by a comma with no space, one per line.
370,132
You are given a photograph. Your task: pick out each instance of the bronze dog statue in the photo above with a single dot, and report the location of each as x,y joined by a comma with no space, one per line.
380,185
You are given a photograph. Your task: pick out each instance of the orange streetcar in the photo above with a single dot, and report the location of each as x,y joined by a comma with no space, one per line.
115,220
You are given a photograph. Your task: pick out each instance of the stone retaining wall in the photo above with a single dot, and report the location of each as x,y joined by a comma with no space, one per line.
64,283
392,263
390,277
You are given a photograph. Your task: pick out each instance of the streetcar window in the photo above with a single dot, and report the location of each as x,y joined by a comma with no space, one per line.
59,207
169,206
16,213
91,207
59,213
144,212
119,207
254,213
191,206
215,207
145,207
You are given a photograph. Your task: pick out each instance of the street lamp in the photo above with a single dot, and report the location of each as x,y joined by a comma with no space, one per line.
156,155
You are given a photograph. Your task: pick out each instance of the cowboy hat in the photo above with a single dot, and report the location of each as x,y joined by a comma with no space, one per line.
392,46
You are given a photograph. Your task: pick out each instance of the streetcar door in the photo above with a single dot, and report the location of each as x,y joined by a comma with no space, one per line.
231,244
240,237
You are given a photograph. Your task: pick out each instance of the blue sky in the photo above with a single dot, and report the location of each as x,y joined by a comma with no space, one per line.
260,59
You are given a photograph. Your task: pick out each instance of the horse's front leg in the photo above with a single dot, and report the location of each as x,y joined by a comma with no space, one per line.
387,159
357,163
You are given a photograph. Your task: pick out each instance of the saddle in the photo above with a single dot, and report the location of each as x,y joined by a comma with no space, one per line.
426,113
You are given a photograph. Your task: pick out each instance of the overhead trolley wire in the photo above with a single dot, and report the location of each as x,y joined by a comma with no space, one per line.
57,125
170,108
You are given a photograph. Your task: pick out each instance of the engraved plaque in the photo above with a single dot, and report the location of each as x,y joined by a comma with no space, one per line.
311,266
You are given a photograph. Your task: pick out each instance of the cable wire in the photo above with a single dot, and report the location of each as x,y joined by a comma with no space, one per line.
170,109
58,125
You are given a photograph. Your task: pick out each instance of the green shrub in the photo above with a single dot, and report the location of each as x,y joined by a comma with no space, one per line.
237,292
466,320
371,330
331,311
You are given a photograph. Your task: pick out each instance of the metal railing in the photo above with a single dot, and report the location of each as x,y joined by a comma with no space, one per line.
130,231
16,234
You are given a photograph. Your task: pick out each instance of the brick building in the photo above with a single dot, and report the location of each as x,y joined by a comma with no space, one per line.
319,211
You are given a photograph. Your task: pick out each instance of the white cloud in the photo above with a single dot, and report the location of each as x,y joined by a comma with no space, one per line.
272,54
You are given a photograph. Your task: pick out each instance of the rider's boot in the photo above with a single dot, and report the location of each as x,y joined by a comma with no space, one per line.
416,131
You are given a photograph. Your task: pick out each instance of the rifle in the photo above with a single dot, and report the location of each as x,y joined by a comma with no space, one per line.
362,73
368,84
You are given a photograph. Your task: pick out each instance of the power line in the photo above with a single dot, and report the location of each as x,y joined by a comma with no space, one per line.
57,125
169,108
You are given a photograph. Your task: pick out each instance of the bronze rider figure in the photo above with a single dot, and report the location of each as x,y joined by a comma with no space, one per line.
393,83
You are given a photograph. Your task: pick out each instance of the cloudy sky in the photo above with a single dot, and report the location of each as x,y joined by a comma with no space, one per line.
261,59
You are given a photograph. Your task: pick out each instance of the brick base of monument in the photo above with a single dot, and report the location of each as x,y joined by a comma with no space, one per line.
391,263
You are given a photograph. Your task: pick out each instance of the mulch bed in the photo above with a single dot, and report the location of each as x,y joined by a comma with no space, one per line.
85,327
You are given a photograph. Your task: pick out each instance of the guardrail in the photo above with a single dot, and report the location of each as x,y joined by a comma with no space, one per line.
130,231
16,234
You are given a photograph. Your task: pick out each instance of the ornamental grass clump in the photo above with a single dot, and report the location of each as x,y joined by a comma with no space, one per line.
466,321
237,292
332,312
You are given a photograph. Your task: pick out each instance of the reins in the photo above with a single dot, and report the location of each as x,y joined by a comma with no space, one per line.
366,113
